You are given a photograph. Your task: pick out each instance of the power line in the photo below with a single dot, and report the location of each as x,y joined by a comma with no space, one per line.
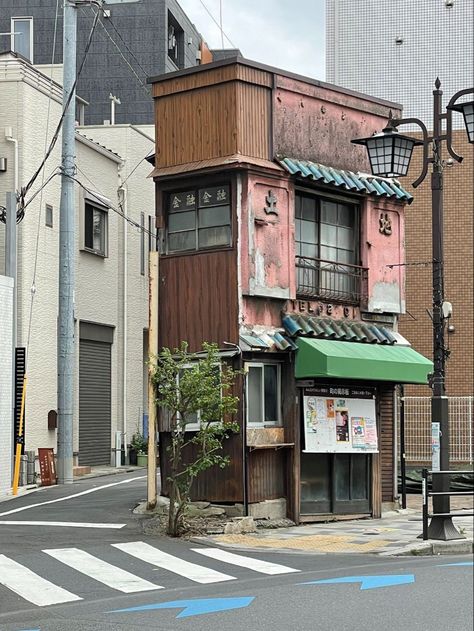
132,54
121,213
139,79
25,189
219,25
136,166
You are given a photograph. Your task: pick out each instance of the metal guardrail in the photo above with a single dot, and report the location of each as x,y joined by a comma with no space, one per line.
338,282
427,494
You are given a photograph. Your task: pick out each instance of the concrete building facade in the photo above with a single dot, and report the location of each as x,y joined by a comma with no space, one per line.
399,58
110,264
133,39
396,51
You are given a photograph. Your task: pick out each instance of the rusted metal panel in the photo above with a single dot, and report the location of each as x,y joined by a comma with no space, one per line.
266,474
212,163
198,299
215,484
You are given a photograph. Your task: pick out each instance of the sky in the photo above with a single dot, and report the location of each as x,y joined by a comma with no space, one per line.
287,34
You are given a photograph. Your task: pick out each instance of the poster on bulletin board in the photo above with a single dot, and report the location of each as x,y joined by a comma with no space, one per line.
340,420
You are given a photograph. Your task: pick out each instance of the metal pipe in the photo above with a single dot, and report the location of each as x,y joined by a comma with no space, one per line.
123,206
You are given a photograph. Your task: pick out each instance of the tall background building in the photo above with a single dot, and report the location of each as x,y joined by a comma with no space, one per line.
135,39
396,49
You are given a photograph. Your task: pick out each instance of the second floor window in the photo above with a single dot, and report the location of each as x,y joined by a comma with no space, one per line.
199,219
327,249
95,229
22,37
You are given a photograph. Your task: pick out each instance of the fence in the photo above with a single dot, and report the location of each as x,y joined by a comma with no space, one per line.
418,429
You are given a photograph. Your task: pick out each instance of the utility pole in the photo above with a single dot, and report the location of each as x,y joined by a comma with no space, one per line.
67,253
152,352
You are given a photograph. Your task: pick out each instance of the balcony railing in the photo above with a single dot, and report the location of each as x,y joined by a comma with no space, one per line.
337,282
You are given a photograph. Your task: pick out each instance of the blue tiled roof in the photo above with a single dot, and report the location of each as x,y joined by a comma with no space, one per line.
382,187
297,325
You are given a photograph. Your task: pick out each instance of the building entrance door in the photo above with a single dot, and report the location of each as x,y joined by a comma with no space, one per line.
335,483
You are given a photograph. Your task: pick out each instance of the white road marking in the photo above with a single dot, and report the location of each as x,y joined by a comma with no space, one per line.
70,497
197,573
62,524
237,559
101,571
30,586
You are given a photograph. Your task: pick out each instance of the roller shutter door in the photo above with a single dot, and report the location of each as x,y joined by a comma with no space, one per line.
94,403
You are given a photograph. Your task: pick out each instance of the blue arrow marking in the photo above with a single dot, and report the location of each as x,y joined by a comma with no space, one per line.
469,563
368,582
194,607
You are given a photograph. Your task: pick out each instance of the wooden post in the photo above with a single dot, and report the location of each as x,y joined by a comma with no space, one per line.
152,352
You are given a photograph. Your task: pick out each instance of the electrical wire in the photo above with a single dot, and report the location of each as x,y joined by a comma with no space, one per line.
143,84
132,54
44,183
136,166
217,24
25,189
121,213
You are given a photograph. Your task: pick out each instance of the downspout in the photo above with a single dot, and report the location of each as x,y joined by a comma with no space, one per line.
16,178
123,206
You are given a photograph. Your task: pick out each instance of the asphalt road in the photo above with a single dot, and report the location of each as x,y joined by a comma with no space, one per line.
186,588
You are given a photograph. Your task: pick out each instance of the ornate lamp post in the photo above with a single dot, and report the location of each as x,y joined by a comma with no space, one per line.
389,155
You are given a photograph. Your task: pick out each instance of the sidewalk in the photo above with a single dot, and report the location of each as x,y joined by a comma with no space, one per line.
395,534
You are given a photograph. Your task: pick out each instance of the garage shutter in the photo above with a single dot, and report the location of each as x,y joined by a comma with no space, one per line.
94,403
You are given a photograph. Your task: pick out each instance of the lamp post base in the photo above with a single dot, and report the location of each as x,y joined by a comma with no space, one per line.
442,528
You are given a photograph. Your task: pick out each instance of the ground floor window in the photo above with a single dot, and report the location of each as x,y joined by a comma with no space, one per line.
263,393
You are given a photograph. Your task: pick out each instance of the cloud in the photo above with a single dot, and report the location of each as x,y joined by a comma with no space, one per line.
281,33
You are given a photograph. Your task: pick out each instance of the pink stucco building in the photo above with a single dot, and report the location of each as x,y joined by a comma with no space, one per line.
278,246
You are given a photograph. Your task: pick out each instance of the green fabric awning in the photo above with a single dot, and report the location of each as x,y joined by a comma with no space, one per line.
349,360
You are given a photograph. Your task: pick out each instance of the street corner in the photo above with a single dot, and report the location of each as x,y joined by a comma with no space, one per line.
321,544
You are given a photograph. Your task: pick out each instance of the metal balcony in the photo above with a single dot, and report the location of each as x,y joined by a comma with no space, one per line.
328,280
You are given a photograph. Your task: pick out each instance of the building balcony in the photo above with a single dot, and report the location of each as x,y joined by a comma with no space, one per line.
328,280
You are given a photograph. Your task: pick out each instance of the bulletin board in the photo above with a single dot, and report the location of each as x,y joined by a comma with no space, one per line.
335,422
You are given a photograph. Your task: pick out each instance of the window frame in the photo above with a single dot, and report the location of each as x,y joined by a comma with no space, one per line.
263,423
104,210
195,189
320,197
28,18
48,207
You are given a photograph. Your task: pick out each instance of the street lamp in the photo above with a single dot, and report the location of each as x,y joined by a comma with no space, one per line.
389,155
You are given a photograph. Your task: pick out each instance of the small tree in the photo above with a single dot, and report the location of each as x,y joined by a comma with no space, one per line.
192,389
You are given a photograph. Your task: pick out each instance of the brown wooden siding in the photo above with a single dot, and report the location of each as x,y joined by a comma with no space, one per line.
196,125
210,77
266,474
253,107
198,299
215,484
386,442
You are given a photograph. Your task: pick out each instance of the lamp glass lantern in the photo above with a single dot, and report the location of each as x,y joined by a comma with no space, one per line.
467,110
389,152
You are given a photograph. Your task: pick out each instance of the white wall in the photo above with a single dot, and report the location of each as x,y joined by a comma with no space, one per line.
6,375
99,295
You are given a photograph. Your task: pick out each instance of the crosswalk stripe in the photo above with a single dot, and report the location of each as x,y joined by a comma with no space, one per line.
101,571
30,586
257,565
152,555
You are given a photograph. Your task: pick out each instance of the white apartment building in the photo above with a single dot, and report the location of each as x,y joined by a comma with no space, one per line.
111,284
395,49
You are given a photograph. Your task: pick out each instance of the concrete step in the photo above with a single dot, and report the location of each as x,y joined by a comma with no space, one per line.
78,471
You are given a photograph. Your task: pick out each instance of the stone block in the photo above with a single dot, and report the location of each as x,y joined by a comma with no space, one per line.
211,511
240,525
269,509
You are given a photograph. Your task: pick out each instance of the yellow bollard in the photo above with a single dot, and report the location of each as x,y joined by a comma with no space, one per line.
16,472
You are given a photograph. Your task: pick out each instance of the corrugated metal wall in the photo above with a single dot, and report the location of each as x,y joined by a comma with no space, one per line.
95,365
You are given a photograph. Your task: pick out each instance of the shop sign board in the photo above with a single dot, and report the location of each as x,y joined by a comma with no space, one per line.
340,419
